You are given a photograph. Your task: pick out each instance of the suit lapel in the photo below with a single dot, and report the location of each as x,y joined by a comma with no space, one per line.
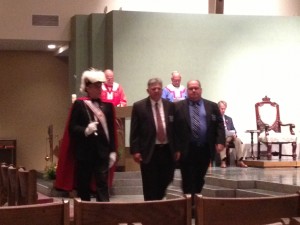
186,110
149,112
208,112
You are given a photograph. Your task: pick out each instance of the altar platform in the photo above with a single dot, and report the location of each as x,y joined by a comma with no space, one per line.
274,163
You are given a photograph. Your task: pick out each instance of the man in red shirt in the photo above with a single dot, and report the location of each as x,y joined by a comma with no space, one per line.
112,91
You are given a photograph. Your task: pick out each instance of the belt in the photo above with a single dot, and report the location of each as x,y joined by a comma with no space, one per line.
161,145
198,144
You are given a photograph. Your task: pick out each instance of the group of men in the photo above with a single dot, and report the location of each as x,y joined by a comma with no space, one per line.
173,126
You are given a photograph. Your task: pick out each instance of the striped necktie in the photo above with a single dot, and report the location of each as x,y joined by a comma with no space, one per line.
195,121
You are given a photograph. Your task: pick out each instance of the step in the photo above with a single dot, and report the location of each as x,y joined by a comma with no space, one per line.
127,190
257,193
285,188
127,182
229,183
130,183
46,187
208,190
217,191
128,175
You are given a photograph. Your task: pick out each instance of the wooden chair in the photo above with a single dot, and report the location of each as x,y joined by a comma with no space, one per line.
28,188
270,126
56,213
246,211
172,211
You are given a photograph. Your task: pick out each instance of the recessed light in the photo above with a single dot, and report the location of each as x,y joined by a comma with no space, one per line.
51,46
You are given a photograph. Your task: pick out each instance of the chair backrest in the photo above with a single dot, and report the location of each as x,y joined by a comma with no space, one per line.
246,211
4,180
267,112
12,185
173,211
27,187
56,213
3,190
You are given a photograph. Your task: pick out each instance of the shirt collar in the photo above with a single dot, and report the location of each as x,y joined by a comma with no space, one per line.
195,103
153,102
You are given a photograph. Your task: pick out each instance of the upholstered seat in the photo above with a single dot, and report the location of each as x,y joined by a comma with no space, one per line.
277,137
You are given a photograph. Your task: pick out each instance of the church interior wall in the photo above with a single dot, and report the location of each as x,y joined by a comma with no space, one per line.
238,58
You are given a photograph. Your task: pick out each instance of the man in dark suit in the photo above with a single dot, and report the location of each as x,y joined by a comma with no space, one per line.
230,137
92,129
152,141
199,133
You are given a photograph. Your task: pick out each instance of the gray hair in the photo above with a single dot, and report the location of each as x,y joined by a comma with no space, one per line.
222,102
155,80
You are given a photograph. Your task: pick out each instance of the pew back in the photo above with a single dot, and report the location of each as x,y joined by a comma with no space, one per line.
56,213
246,211
173,211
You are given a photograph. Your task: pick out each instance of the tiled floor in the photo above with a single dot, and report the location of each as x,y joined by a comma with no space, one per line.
289,176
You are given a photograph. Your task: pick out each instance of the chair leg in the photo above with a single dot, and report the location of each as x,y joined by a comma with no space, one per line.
228,156
280,151
294,146
269,151
258,150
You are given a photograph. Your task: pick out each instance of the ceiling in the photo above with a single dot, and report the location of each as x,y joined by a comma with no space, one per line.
34,45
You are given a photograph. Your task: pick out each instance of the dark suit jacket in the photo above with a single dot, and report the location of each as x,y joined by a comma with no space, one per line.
143,131
229,123
215,126
92,146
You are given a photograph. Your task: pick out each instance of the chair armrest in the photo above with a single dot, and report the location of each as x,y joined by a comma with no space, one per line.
291,125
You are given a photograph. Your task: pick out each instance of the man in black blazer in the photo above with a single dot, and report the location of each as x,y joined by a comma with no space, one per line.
197,144
92,131
152,147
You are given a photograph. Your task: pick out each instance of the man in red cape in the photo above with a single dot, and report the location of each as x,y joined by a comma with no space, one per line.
65,173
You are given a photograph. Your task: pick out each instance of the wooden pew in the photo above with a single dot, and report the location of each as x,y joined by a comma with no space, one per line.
3,193
173,211
4,184
246,211
27,193
13,185
56,213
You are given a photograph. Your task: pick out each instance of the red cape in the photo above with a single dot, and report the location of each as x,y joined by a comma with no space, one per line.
65,171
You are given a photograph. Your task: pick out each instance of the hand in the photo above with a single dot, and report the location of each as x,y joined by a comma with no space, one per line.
219,148
91,128
112,159
177,156
137,157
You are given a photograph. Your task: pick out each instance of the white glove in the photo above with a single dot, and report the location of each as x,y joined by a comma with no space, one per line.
112,159
91,128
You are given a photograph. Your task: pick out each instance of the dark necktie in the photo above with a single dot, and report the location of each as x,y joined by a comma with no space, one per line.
225,123
195,121
160,133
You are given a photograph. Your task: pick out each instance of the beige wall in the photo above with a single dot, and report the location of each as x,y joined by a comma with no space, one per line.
15,15
34,94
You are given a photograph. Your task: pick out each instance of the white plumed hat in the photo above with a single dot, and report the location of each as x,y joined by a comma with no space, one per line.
91,76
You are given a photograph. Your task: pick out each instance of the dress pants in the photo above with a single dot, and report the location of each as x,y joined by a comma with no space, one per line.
96,171
194,167
158,173
238,148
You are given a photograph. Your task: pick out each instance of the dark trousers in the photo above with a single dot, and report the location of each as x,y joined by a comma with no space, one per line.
158,173
193,168
87,172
